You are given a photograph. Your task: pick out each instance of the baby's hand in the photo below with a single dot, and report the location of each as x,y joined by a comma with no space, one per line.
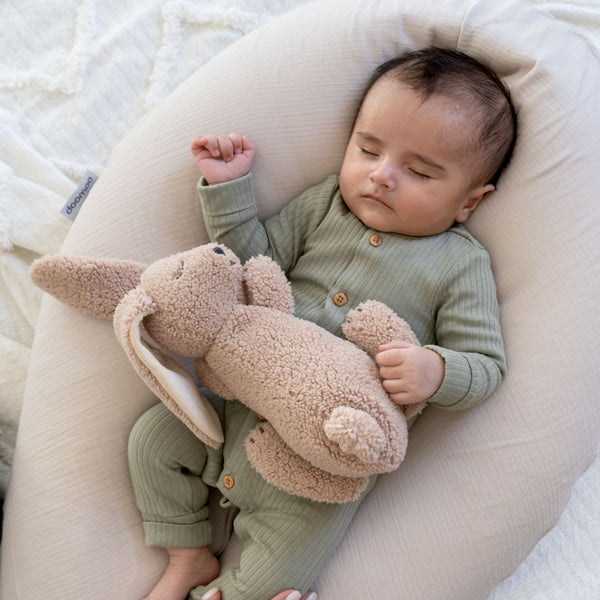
410,373
223,158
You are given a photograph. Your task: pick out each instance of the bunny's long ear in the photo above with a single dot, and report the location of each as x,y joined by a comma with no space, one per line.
165,377
92,286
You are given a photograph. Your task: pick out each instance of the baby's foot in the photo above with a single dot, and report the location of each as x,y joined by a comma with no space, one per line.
187,569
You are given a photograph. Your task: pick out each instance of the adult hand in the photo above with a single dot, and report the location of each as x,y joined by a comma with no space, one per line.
215,594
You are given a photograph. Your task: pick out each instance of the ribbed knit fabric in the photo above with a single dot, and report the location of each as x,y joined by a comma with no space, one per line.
287,540
173,503
442,285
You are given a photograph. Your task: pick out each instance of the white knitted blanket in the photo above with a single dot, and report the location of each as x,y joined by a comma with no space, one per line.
75,76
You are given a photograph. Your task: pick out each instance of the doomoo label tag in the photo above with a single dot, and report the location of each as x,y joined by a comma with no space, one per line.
76,200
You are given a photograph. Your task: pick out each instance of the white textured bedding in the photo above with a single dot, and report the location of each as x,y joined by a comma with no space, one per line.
75,76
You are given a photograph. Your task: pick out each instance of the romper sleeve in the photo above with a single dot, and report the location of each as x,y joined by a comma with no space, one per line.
468,335
231,217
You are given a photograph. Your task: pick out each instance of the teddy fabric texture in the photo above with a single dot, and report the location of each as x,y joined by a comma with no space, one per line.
331,424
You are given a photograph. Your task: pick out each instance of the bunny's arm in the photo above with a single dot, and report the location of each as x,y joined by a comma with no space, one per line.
372,323
266,285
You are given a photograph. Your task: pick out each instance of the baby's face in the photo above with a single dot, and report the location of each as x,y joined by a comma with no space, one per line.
407,165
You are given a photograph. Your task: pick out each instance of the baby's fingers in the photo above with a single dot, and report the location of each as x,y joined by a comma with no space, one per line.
390,358
206,143
224,148
237,141
230,145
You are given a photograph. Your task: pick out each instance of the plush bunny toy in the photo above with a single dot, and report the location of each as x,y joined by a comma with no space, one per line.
328,422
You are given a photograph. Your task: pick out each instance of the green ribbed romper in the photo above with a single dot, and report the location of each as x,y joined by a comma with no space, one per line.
442,285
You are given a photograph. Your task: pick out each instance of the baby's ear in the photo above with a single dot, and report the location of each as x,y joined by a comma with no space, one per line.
476,197
92,286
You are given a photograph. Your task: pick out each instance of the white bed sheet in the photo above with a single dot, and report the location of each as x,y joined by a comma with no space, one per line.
75,76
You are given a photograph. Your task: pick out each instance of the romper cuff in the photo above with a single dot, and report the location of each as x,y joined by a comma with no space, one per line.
169,535
226,198
457,379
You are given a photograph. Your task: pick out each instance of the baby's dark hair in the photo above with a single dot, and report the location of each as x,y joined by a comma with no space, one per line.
460,77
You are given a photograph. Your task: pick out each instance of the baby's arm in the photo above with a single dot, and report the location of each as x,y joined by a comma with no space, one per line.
411,373
223,158
468,337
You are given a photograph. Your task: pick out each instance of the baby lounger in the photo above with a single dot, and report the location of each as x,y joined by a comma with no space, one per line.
479,488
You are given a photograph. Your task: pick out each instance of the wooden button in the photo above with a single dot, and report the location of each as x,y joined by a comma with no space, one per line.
228,481
261,418
340,299
375,240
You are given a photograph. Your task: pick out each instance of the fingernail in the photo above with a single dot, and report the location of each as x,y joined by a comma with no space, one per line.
294,596
210,594
311,596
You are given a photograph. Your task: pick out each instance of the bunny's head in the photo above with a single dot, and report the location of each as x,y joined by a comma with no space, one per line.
175,305
193,292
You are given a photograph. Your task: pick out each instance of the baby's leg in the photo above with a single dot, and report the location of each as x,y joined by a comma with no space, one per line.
166,463
287,540
286,545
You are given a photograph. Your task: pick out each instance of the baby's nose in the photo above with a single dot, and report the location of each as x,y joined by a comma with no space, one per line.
383,175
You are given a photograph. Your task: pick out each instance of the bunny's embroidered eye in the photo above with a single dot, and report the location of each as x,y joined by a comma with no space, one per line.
218,250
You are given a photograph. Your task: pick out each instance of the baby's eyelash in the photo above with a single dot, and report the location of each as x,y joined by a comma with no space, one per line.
421,175
367,152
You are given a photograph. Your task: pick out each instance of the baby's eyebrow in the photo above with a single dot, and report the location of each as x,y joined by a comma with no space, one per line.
430,162
368,137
